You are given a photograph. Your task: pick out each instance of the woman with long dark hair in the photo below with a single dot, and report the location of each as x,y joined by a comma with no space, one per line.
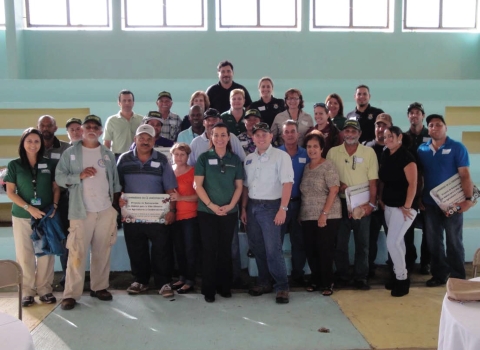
31,187
333,136
335,110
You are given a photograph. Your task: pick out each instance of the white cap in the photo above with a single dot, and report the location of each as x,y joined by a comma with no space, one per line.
147,129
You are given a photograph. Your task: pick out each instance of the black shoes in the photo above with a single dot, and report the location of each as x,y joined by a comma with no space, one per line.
400,288
435,282
209,299
362,285
259,290
425,269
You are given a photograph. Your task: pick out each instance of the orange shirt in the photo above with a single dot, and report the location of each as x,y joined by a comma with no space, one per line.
186,210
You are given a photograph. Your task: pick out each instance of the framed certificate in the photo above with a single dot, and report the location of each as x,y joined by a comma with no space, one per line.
145,208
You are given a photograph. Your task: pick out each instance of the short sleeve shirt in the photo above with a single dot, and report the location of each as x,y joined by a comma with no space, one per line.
219,176
269,110
299,161
171,127
220,97
367,120
233,126
121,131
22,175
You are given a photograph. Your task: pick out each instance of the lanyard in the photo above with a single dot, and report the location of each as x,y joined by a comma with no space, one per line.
34,171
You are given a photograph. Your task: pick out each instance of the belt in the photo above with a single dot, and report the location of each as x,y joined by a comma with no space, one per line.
264,201
295,199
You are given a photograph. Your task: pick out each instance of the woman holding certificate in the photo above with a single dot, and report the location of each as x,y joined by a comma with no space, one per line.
219,184
398,185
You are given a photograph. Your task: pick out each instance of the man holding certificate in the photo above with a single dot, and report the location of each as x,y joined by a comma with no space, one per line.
147,179
442,158
356,165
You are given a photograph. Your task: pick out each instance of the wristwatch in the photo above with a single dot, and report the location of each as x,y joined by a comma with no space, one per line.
373,206
284,208
471,199
26,206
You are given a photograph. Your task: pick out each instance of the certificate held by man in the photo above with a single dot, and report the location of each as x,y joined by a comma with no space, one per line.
145,208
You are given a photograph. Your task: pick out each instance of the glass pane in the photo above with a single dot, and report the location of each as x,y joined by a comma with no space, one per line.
2,13
278,13
332,13
48,12
238,12
144,12
455,15
370,13
422,14
184,12
88,12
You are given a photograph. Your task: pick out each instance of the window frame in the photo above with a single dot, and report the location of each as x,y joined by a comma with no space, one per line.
258,27
388,28
440,28
68,25
165,26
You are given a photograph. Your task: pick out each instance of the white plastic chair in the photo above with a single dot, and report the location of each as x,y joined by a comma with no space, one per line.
476,262
11,274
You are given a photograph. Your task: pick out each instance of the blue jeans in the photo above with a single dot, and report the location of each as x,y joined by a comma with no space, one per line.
452,263
264,239
185,238
361,234
294,228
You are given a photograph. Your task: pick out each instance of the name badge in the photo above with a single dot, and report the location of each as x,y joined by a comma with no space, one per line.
248,162
262,108
359,160
264,159
213,161
304,122
446,151
55,156
244,143
302,160
154,164
72,156
42,166
36,201
426,139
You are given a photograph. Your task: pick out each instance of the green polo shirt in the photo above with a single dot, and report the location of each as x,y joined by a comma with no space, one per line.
121,131
22,177
219,185
232,125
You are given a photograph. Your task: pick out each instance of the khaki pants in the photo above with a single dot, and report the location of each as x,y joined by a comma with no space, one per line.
37,272
98,230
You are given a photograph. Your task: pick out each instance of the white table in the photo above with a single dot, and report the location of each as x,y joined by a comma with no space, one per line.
14,335
459,325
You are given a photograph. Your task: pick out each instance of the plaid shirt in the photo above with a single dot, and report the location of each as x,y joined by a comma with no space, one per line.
171,127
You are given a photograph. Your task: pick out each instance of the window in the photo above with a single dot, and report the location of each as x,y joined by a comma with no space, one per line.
362,15
68,13
440,14
165,14
258,14
2,14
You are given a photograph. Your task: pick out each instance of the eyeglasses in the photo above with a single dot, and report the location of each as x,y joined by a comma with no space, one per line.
91,127
354,162
222,166
320,104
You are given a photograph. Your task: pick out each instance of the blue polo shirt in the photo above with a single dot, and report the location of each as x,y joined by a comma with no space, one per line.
154,176
440,165
299,160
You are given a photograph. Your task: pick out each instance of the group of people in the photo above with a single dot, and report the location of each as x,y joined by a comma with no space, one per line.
265,163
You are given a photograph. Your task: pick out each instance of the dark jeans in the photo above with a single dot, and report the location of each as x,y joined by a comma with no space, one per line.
449,262
361,234
293,227
264,239
144,262
63,212
185,238
217,234
320,248
377,220
236,260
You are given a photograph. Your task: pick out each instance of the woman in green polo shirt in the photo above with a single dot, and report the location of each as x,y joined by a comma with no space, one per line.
219,183
31,186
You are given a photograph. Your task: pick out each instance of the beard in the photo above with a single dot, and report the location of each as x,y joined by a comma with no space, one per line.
47,135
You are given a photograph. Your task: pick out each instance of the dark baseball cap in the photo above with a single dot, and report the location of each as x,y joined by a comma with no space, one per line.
253,113
211,112
416,105
435,116
92,118
153,115
73,120
164,94
262,127
352,123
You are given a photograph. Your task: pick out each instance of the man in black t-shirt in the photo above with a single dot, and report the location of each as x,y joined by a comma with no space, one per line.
219,94
364,113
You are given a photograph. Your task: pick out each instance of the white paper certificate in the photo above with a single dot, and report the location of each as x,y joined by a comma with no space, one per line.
165,151
357,195
145,208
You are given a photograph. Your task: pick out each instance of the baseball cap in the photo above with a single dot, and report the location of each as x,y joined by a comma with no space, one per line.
384,118
92,118
73,120
262,127
147,129
253,113
164,94
353,124
416,105
435,116
153,115
211,112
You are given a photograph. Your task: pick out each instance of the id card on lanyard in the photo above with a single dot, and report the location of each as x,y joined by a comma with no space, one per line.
35,200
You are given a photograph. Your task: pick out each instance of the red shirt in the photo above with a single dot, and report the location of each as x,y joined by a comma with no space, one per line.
186,210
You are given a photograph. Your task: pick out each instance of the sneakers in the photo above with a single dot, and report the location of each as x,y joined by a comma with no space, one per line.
259,290
282,297
101,294
68,304
137,288
166,291
27,301
48,298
